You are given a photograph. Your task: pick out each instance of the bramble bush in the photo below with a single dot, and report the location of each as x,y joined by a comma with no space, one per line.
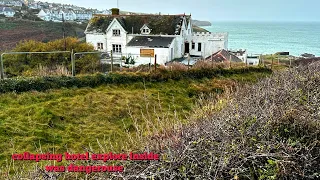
270,130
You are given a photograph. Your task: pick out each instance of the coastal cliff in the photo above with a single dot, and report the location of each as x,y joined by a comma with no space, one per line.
201,23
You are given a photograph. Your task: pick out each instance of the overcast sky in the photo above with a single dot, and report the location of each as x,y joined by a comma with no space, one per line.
216,10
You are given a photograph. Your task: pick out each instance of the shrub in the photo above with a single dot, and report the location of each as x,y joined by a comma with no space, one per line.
270,130
44,83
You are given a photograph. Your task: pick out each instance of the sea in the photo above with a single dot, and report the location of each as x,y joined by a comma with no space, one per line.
271,37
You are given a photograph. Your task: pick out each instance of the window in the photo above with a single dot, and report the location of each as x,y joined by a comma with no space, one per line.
145,31
199,46
100,46
116,32
193,45
116,48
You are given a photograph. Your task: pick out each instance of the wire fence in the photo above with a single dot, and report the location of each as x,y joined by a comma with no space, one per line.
70,63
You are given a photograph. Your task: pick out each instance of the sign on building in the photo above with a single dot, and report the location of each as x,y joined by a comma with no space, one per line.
146,52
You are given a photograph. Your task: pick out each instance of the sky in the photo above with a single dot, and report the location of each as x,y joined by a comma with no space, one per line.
215,10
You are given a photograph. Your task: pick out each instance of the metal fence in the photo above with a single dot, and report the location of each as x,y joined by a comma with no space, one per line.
106,59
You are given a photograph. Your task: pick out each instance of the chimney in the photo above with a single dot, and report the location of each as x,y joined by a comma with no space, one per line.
115,11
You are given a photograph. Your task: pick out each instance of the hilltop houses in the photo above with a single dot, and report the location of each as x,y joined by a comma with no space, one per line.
7,11
17,3
66,14
143,36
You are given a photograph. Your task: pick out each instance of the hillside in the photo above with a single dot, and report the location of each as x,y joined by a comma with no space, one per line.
201,23
12,32
71,119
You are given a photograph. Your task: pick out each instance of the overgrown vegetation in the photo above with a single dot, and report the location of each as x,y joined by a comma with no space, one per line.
269,130
27,64
99,119
162,75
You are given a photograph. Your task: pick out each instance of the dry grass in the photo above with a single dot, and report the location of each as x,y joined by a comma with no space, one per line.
137,117
42,71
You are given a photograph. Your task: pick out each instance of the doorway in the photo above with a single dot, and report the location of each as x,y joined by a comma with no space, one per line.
186,48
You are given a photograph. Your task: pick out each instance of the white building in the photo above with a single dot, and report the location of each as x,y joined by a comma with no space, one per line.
7,11
83,15
16,3
68,15
143,36
45,14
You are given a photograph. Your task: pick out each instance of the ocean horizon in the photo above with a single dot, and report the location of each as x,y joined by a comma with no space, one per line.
271,37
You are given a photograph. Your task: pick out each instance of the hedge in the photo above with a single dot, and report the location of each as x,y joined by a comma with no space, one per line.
22,84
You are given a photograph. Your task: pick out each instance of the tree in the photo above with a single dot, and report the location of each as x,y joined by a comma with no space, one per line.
17,65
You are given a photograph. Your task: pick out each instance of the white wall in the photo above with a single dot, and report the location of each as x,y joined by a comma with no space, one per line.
210,43
253,61
94,39
121,40
163,55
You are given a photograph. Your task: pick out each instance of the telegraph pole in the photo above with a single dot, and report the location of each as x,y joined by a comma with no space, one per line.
64,33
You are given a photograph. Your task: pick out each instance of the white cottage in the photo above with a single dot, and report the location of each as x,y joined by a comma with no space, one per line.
143,36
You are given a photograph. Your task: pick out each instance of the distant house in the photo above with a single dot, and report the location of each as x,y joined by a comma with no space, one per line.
143,36
16,3
83,15
67,15
224,56
45,14
7,11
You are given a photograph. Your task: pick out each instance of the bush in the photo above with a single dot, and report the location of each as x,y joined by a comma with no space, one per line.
270,130
45,83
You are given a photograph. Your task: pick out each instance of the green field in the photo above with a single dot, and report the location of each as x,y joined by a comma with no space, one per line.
99,118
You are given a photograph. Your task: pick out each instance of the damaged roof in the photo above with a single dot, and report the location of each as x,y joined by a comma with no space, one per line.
160,24
222,56
151,41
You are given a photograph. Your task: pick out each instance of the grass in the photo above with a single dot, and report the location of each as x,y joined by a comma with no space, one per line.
75,119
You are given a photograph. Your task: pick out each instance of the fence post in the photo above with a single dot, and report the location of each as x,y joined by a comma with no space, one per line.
230,61
155,62
188,61
150,62
111,61
2,73
272,61
72,64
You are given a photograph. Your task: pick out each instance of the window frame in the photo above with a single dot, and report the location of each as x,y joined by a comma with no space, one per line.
116,32
116,48
199,47
99,46
193,46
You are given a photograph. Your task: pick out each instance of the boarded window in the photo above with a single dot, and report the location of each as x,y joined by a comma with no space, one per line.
146,52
